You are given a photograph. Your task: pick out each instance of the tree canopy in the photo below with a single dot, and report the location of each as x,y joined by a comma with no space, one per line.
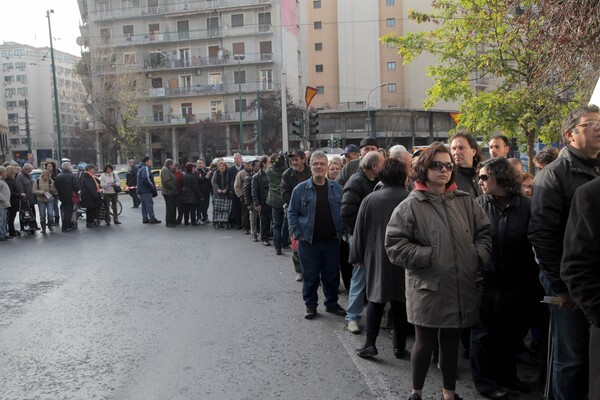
511,71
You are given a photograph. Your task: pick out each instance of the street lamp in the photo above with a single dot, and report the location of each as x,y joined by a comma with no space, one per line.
56,109
369,128
239,58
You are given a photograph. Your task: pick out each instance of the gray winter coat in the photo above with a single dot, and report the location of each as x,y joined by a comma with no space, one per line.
442,240
385,281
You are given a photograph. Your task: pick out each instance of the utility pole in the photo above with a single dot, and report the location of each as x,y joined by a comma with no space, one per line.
27,127
56,109
259,122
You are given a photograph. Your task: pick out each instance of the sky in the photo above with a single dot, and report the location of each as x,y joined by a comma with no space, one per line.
24,21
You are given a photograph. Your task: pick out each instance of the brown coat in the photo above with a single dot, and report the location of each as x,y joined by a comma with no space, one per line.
442,240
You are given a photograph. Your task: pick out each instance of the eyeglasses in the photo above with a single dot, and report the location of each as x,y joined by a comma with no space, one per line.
484,177
319,164
438,166
592,123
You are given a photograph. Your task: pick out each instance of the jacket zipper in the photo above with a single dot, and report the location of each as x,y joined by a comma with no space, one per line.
460,314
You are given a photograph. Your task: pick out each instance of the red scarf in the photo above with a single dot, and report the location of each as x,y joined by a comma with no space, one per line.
95,181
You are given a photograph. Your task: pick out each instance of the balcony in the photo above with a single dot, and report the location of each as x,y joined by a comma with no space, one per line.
190,6
203,90
166,37
166,120
160,61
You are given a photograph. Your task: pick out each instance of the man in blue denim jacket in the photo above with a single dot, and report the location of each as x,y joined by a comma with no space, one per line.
314,218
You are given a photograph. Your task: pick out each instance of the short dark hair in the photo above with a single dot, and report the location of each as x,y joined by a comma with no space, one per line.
146,158
107,166
570,122
426,159
478,157
501,137
263,161
393,172
189,167
504,173
547,155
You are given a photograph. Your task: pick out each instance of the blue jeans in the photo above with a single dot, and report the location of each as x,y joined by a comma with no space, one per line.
147,206
570,340
3,221
46,211
280,229
320,261
356,294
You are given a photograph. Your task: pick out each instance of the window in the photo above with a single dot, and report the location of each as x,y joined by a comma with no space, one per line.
266,79
319,68
186,109
7,53
390,2
318,46
391,66
156,83
237,105
22,103
239,78
318,25
105,34
13,118
14,130
212,26
129,58
153,30
390,22
128,32
7,66
22,78
264,22
157,113
11,104
317,4
320,89
266,51
14,142
237,20
19,52
238,48
183,29
24,140
216,107
10,92
9,79
391,87
22,91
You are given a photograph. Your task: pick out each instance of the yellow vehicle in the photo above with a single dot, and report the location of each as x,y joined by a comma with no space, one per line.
123,178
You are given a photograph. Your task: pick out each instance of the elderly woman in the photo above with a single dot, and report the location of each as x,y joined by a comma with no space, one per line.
385,281
45,192
54,171
508,281
441,237
109,180
91,195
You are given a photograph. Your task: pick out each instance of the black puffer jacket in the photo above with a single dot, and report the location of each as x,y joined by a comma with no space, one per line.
260,189
190,192
66,184
512,271
466,180
553,190
90,196
247,188
356,189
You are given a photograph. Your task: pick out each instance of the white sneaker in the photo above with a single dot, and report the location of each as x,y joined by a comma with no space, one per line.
299,277
353,327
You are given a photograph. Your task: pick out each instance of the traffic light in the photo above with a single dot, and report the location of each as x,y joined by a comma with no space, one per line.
297,130
313,122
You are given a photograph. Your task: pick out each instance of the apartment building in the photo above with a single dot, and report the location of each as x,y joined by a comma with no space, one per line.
3,134
28,97
363,88
195,62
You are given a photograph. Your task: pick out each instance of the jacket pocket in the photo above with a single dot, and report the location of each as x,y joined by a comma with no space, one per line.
422,284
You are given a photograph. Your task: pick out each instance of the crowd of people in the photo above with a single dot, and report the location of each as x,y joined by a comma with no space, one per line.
464,250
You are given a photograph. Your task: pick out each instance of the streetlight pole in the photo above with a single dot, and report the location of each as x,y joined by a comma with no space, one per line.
369,128
239,58
56,109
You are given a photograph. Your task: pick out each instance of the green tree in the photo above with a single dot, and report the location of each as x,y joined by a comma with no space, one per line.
507,46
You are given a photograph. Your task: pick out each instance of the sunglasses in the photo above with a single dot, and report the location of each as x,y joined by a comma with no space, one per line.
438,166
484,177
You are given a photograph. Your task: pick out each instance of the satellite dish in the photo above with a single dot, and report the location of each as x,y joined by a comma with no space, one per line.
80,41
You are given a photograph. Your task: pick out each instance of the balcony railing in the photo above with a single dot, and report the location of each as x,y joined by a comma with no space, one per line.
178,7
201,90
164,37
162,61
166,119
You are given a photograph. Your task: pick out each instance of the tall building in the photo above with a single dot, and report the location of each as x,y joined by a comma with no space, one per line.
192,67
3,134
28,96
363,88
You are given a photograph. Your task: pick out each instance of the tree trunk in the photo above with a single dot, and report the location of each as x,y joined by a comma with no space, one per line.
530,151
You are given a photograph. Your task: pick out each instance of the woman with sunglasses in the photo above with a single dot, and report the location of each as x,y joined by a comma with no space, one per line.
441,236
509,282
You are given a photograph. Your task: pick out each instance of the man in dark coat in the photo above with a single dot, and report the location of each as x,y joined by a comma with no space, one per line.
580,268
67,185
359,186
236,204
91,197
205,177
131,182
260,191
553,191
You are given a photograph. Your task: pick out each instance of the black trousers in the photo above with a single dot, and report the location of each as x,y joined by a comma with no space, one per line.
425,340
90,214
345,267
236,211
170,210
12,214
134,197
66,211
189,212
594,393
374,314
265,222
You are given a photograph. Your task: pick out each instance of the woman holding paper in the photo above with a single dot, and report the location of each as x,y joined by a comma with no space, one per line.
44,191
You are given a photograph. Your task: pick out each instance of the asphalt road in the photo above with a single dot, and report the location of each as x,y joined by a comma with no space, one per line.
140,311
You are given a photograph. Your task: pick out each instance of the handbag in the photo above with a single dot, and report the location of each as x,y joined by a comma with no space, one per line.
117,188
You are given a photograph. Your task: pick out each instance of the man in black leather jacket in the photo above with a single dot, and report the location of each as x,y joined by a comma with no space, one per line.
131,182
467,155
260,189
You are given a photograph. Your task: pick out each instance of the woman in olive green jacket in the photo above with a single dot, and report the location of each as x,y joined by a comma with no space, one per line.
441,236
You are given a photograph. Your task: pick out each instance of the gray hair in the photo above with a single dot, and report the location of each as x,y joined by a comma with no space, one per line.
368,161
168,162
27,166
2,169
66,166
318,154
397,151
